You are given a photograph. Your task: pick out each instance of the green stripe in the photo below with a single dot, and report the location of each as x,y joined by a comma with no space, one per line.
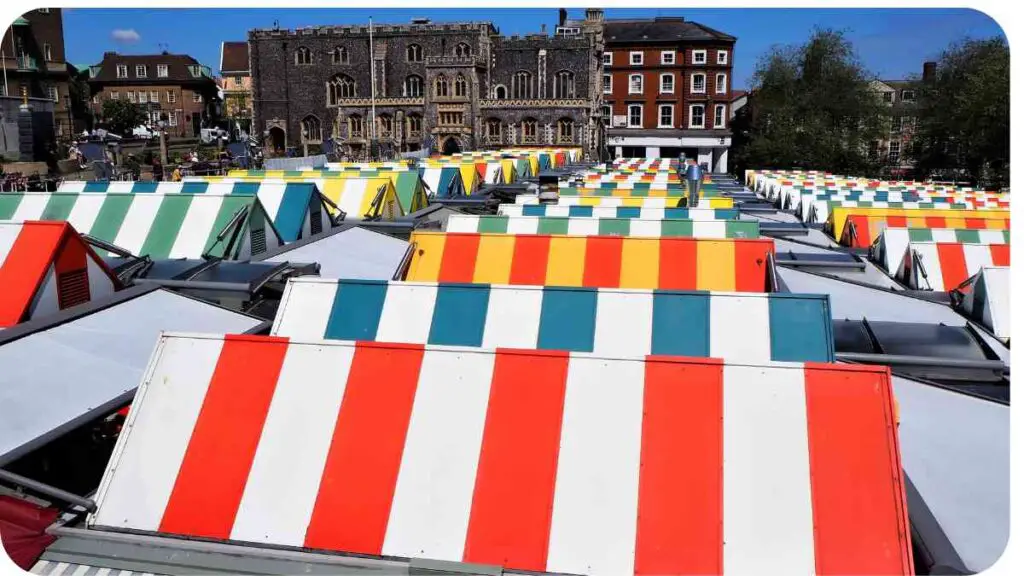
967,236
496,224
677,228
1006,236
166,225
9,202
111,216
228,207
59,206
613,227
920,234
553,225
740,229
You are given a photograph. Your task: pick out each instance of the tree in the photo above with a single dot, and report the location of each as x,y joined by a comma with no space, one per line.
811,107
122,117
964,114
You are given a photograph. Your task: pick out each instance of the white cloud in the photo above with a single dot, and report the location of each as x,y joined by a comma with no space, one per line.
129,36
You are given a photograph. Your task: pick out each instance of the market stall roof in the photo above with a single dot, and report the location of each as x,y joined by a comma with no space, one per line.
589,226
346,252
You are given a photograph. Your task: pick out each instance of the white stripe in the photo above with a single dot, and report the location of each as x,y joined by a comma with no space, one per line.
650,213
896,241
709,229
75,186
305,405
175,187
559,211
59,569
622,326
434,491
85,210
159,427
9,233
407,314
462,223
138,222
120,187
81,570
271,196
523,225
197,225
227,188
976,256
100,284
640,228
45,300
767,521
31,206
740,328
604,212
593,519
991,237
39,567
352,198
584,226
510,209
929,254
305,309
513,317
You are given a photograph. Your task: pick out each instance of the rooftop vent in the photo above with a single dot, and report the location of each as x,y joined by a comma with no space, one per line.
421,20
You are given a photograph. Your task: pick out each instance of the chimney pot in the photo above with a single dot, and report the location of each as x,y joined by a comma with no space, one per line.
562,15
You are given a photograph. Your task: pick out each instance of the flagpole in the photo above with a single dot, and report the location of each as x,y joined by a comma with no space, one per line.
373,90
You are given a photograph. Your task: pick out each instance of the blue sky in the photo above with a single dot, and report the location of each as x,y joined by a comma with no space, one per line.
892,43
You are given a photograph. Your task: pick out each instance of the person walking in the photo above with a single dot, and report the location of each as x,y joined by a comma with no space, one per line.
694,175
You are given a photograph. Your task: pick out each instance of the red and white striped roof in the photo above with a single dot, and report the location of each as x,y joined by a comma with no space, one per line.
543,461
46,267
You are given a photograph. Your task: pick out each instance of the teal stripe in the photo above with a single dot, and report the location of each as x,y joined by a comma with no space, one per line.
194,187
143,187
291,214
249,188
800,328
96,186
627,212
681,324
726,214
535,210
356,312
59,206
581,211
567,318
460,311
9,202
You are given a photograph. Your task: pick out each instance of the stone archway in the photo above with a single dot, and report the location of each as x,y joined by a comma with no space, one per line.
451,146
277,139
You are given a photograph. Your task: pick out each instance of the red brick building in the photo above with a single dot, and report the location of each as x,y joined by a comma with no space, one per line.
172,86
667,87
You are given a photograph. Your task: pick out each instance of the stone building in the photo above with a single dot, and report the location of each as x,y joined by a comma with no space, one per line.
444,87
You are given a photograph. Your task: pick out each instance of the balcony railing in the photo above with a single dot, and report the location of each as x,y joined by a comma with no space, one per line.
27,63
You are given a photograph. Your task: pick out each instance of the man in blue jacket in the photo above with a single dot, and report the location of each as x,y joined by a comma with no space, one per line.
694,175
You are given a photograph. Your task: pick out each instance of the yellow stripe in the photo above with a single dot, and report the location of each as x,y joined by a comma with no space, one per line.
915,223
494,259
640,263
716,265
332,189
426,258
566,256
956,223
468,173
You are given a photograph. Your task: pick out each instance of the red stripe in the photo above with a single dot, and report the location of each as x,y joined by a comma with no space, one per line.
857,493
358,482
935,221
216,466
459,259
1000,254
752,264
603,262
953,264
679,518
510,518
677,264
25,267
896,221
530,260
975,223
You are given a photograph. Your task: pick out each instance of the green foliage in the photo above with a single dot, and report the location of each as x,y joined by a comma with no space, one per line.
122,117
964,114
812,107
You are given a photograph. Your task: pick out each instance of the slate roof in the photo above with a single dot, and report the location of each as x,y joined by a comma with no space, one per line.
178,69
234,57
631,31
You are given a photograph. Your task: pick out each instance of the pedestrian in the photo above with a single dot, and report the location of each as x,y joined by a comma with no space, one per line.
158,170
693,179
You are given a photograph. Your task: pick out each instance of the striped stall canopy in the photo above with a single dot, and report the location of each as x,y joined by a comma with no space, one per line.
637,227
653,213
859,227
636,202
529,460
946,265
986,299
156,225
444,181
591,261
366,198
297,209
735,326
46,267
890,246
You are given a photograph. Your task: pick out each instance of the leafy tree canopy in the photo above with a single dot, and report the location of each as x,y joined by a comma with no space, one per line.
122,117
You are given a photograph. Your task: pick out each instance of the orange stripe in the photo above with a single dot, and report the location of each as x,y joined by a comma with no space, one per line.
679,514
953,264
935,221
896,221
603,262
677,268
358,482
752,264
216,465
25,267
510,517
858,503
530,260
459,260
1000,254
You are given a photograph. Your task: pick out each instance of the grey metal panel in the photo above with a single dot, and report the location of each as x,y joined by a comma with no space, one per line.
53,378
956,449
354,253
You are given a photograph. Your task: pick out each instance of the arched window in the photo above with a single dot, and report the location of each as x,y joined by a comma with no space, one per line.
500,93
565,131
415,124
460,86
565,86
303,56
529,131
494,131
414,53
341,86
355,126
462,49
311,131
522,85
339,55
413,86
441,86
386,125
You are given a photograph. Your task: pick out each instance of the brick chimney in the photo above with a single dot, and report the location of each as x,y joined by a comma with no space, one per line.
562,15
928,73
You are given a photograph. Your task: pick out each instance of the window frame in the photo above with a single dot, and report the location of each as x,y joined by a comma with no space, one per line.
47,52
913,96
607,88
407,91
719,57
725,83
504,90
704,80
693,58
414,53
115,95
607,58
671,53
661,83
197,97
145,71
53,94
641,89
703,117
661,115
162,71
898,152
635,53
172,97
303,61
526,85
629,115
607,119
142,97
714,120
565,85
122,68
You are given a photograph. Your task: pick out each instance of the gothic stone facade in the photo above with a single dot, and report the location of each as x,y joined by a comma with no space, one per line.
443,86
